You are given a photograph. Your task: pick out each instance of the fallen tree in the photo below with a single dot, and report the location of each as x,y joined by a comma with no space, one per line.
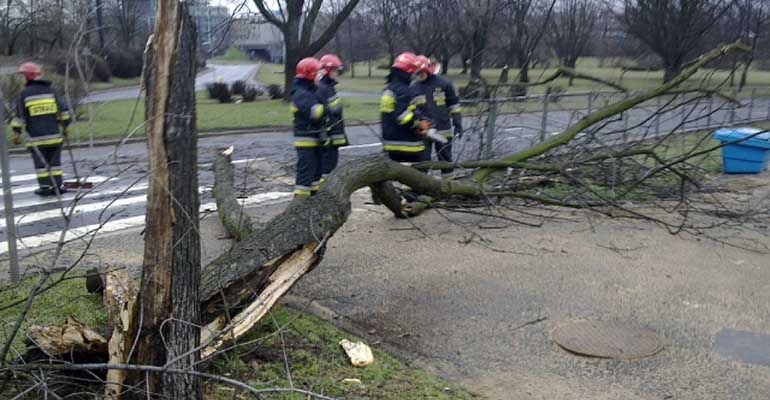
238,288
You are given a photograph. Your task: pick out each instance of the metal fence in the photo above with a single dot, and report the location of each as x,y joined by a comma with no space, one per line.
500,126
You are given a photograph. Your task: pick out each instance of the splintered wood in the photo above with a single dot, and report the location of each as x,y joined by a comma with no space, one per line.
72,337
284,277
119,295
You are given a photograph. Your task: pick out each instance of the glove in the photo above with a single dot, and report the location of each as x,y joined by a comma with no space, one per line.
16,139
458,132
422,128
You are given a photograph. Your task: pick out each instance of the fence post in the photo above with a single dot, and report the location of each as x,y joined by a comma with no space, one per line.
734,108
751,104
658,105
683,116
490,131
10,222
590,103
544,120
768,107
710,111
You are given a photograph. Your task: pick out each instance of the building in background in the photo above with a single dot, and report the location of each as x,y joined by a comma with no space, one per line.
256,37
212,23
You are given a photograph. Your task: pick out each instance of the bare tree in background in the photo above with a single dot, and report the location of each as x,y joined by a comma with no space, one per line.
479,24
753,19
297,19
388,18
527,22
571,29
13,24
126,15
672,29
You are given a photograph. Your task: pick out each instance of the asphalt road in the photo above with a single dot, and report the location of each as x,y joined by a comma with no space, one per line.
214,73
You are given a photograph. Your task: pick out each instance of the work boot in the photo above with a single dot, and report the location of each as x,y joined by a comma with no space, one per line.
44,192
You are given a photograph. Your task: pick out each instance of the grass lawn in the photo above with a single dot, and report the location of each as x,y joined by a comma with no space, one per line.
113,119
114,83
316,361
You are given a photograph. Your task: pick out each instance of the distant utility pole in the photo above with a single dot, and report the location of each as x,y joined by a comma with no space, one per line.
10,223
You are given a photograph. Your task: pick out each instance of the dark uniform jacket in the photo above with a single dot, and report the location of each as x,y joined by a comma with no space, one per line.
41,112
442,105
328,94
309,115
398,115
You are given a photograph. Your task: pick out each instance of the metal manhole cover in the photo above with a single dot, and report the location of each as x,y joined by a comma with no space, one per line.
616,340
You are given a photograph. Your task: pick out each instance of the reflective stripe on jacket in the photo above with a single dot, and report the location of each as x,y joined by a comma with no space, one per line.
41,112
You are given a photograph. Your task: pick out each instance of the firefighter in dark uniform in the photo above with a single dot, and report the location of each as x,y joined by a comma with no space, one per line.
403,125
332,68
45,117
442,106
309,113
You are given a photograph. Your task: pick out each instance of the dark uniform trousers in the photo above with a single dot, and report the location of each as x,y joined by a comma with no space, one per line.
309,111
336,126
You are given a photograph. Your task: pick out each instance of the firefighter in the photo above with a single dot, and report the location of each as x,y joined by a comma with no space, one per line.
309,114
41,112
332,68
442,106
402,123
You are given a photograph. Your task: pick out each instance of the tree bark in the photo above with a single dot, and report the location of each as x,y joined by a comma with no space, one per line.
100,25
171,268
236,222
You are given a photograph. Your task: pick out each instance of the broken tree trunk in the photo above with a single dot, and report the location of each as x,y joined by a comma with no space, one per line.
234,219
166,314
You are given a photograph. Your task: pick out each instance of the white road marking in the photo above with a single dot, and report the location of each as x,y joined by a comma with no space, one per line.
23,177
361,146
79,210
241,161
126,223
31,188
69,196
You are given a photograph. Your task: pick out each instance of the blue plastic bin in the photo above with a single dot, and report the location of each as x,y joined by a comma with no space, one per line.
744,156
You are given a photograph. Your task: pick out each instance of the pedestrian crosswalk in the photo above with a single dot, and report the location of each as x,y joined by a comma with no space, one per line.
114,204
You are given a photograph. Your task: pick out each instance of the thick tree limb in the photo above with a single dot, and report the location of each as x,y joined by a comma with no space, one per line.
237,223
232,279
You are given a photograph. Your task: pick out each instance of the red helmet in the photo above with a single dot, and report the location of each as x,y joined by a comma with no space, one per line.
330,62
406,62
307,68
31,71
424,65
